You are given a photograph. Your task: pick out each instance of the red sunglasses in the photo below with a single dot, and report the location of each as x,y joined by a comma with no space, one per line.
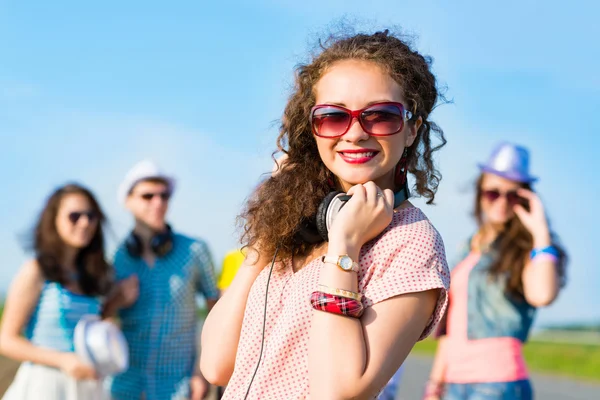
512,198
379,119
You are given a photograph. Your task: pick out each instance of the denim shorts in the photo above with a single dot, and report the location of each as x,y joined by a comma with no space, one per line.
516,390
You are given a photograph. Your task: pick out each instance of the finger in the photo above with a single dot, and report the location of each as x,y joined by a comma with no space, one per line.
196,390
388,197
526,193
358,193
532,197
520,211
373,192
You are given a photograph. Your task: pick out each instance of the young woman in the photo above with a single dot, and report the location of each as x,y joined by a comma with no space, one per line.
511,266
332,313
50,294
335,319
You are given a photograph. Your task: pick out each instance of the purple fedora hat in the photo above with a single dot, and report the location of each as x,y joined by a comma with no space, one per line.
509,161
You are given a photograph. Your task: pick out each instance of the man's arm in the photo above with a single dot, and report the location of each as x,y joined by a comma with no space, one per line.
206,282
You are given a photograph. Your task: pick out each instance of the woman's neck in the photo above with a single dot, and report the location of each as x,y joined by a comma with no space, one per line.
69,258
486,235
144,232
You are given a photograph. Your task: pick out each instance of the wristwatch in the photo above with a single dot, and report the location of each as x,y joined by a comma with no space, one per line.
344,262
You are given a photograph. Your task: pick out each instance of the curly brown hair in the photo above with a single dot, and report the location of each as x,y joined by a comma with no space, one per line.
283,203
512,248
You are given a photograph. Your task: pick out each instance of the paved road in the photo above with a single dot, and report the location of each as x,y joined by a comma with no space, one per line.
545,387
415,374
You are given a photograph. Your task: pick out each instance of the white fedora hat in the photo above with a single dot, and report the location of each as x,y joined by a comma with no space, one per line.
102,345
143,170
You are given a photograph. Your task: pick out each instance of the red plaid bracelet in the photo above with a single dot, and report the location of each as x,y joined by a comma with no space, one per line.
336,304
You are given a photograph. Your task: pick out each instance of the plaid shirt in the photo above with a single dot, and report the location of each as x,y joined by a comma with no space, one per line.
160,327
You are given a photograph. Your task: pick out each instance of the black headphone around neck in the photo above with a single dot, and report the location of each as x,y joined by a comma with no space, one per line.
160,244
315,229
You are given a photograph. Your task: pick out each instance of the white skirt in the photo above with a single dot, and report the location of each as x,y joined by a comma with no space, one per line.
36,382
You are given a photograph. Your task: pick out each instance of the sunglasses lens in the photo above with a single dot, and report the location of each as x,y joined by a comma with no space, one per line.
149,196
382,119
330,121
491,195
513,198
74,217
92,216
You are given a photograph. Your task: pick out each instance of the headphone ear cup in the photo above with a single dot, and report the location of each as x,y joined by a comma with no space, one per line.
324,214
133,245
308,232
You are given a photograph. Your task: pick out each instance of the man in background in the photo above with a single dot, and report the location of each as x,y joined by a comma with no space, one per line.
159,273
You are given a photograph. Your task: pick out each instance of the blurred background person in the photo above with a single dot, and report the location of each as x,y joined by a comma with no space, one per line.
231,263
510,267
159,273
50,294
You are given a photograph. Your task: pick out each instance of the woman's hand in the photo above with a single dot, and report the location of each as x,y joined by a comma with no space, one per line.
364,216
534,220
433,390
73,366
199,387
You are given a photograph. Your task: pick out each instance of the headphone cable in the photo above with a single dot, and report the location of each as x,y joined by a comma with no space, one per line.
262,343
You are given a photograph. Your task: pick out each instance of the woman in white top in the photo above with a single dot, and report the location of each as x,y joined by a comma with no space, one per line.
49,295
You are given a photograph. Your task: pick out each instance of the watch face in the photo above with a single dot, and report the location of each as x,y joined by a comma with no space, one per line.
346,263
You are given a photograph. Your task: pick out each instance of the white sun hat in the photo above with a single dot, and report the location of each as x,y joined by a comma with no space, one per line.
143,170
102,345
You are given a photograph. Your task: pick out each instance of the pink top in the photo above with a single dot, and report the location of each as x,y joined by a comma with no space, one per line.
407,257
482,360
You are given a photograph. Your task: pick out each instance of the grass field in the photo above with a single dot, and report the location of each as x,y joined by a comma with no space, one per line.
573,360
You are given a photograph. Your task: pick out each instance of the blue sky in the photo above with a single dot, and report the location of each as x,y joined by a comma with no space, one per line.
86,90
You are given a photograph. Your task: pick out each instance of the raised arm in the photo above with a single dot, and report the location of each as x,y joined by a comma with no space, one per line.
541,281
353,358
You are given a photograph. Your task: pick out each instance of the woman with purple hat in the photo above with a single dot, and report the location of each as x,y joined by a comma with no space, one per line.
507,269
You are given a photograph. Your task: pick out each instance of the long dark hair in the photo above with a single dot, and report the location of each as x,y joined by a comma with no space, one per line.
278,207
513,246
93,270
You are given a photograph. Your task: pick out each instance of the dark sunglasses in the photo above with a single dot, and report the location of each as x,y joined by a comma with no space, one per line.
76,215
380,119
512,197
149,196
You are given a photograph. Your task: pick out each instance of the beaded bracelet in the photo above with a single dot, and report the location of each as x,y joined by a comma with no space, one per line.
340,292
336,304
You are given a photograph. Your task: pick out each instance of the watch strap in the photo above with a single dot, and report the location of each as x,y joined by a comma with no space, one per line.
336,260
